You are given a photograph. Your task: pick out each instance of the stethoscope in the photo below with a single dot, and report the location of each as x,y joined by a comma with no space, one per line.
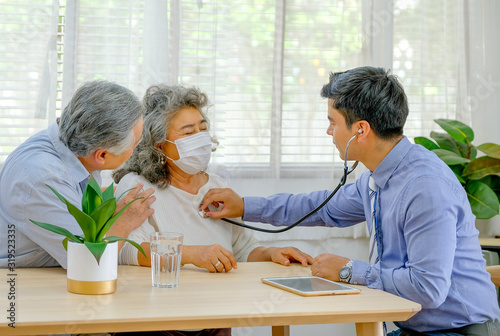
343,180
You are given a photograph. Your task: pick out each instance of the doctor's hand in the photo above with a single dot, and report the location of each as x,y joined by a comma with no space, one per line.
328,266
232,204
214,258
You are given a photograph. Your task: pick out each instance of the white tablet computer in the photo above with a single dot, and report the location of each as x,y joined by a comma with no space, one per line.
310,286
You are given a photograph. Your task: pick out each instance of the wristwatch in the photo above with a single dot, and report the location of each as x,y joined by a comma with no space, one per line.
346,272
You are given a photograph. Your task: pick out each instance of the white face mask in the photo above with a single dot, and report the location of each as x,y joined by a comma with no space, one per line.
194,152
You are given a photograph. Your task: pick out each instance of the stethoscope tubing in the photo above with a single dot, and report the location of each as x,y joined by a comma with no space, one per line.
341,183
343,180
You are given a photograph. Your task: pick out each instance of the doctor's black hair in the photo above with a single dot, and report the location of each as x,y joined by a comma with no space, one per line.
371,94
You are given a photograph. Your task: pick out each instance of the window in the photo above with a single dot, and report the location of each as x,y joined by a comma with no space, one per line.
262,63
274,118
28,57
426,53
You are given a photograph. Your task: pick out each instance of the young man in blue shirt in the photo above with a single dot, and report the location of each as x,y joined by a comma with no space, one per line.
425,244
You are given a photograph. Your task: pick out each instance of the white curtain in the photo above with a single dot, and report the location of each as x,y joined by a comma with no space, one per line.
481,65
262,63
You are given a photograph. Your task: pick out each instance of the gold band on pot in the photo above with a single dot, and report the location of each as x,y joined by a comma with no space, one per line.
91,287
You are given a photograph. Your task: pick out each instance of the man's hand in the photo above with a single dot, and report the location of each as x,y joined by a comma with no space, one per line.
135,214
232,204
214,258
328,266
280,255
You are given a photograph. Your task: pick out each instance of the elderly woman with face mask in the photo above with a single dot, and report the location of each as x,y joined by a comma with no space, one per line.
172,157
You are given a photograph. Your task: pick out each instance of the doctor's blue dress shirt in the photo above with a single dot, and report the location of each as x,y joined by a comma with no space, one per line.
428,244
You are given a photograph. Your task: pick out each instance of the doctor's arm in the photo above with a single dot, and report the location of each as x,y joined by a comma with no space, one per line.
344,209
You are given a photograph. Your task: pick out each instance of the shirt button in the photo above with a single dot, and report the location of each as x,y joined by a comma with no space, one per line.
355,282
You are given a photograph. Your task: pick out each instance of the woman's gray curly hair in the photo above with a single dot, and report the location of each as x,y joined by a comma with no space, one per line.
161,103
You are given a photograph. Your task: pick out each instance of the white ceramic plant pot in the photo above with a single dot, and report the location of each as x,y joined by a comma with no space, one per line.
85,276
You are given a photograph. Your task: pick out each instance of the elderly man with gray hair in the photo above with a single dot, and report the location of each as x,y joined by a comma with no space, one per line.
98,130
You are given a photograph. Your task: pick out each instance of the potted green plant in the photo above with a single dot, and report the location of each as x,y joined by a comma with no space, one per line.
480,176
92,257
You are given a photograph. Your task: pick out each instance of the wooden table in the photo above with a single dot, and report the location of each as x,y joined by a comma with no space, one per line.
202,300
490,244
493,243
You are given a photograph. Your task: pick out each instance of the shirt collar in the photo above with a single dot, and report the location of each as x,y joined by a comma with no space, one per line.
77,171
384,170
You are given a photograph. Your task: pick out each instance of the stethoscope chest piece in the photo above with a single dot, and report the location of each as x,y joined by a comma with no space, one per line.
211,207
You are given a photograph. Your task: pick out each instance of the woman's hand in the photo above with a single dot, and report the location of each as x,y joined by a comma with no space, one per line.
280,255
214,258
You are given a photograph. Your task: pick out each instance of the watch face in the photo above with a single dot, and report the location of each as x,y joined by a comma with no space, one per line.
344,272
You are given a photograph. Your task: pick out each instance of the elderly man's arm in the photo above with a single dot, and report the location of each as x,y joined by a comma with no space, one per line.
135,214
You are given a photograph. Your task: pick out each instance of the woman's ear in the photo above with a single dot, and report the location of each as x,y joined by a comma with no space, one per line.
160,146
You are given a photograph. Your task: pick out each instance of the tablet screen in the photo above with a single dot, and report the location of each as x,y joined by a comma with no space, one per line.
310,285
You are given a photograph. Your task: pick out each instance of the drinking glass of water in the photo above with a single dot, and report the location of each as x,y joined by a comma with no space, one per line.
166,253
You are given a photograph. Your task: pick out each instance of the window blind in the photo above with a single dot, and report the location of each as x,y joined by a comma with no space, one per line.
28,69
269,124
426,53
261,62
319,39
109,39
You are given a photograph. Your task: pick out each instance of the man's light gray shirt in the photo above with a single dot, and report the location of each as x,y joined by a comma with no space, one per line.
40,161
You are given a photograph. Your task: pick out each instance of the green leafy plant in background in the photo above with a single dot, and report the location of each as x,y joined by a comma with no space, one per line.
95,219
480,176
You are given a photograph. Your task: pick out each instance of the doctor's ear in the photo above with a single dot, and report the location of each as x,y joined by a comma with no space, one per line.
363,128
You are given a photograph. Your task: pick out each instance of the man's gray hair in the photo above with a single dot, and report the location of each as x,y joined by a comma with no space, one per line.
100,115
161,103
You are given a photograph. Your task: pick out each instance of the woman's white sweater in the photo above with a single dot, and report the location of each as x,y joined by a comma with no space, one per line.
177,211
